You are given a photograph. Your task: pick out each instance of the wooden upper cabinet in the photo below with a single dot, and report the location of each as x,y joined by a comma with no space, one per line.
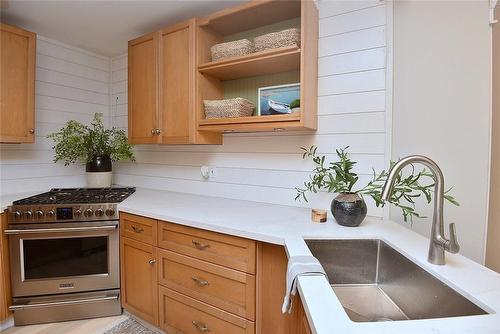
162,88
17,85
171,73
143,89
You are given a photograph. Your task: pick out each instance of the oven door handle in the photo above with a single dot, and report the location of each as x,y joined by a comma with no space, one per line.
62,303
63,229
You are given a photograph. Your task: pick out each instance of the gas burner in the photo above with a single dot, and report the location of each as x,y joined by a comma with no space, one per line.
78,195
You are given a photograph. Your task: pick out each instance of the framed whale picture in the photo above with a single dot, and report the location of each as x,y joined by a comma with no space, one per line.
278,100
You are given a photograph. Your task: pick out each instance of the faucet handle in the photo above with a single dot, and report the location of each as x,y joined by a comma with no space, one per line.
452,245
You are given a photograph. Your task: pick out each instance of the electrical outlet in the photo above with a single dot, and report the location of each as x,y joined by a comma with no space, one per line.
212,172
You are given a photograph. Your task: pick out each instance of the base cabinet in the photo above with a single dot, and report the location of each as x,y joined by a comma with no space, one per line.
301,318
139,279
5,293
187,280
272,265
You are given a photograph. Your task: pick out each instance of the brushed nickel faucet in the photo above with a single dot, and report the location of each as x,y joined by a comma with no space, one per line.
438,243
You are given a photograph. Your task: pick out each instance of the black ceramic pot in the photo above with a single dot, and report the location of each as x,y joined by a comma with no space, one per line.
101,163
349,209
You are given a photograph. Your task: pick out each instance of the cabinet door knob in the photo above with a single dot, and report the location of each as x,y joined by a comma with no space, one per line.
31,131
152,261
199,245
201,327
153,131
157,131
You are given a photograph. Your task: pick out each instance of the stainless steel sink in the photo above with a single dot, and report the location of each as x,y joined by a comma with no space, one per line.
374,282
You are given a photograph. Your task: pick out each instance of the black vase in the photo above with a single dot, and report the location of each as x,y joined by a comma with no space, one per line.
349,209
101,163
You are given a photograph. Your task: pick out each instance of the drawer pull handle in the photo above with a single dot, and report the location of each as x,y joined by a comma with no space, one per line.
199,245
137,229
200,281
151,262
201,327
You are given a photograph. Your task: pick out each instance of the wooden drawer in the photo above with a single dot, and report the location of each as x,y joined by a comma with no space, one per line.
228,289
233,252
180,314
138,228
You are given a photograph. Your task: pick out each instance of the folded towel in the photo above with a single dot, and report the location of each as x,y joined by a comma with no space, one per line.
299,266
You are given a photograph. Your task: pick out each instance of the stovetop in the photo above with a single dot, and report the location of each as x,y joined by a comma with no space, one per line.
69,205
78,195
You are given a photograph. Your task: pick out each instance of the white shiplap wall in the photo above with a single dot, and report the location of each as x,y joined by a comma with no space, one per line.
70,84
267,167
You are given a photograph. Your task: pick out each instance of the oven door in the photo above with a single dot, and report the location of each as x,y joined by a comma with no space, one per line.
62,258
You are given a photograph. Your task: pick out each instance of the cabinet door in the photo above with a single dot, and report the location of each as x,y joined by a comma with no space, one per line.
176,82
139,280
17,85
143,89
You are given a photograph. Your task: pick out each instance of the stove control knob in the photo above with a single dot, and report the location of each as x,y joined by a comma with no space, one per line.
17,215
39,214
78,213
28,214
50,214
99,212
110,212
88,213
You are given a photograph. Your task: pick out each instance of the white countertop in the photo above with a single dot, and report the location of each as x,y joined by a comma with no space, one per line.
289,226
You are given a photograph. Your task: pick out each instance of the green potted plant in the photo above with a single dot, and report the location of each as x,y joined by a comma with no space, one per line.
348,207
95,146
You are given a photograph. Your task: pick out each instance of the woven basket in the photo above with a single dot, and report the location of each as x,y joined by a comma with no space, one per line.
279,39
231,49
237,107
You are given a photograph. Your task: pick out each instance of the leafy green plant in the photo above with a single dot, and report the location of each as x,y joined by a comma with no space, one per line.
338,177
77,142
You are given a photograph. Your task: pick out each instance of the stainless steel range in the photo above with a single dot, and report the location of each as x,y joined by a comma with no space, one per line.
64,254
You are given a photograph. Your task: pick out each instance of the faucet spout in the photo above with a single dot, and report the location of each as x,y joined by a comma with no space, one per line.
438,243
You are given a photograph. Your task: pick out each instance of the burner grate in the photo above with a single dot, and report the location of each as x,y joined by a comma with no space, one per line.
78,195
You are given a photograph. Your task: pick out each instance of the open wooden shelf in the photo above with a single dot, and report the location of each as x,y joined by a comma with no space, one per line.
243,76
251,123
259,63
251,15
251,119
